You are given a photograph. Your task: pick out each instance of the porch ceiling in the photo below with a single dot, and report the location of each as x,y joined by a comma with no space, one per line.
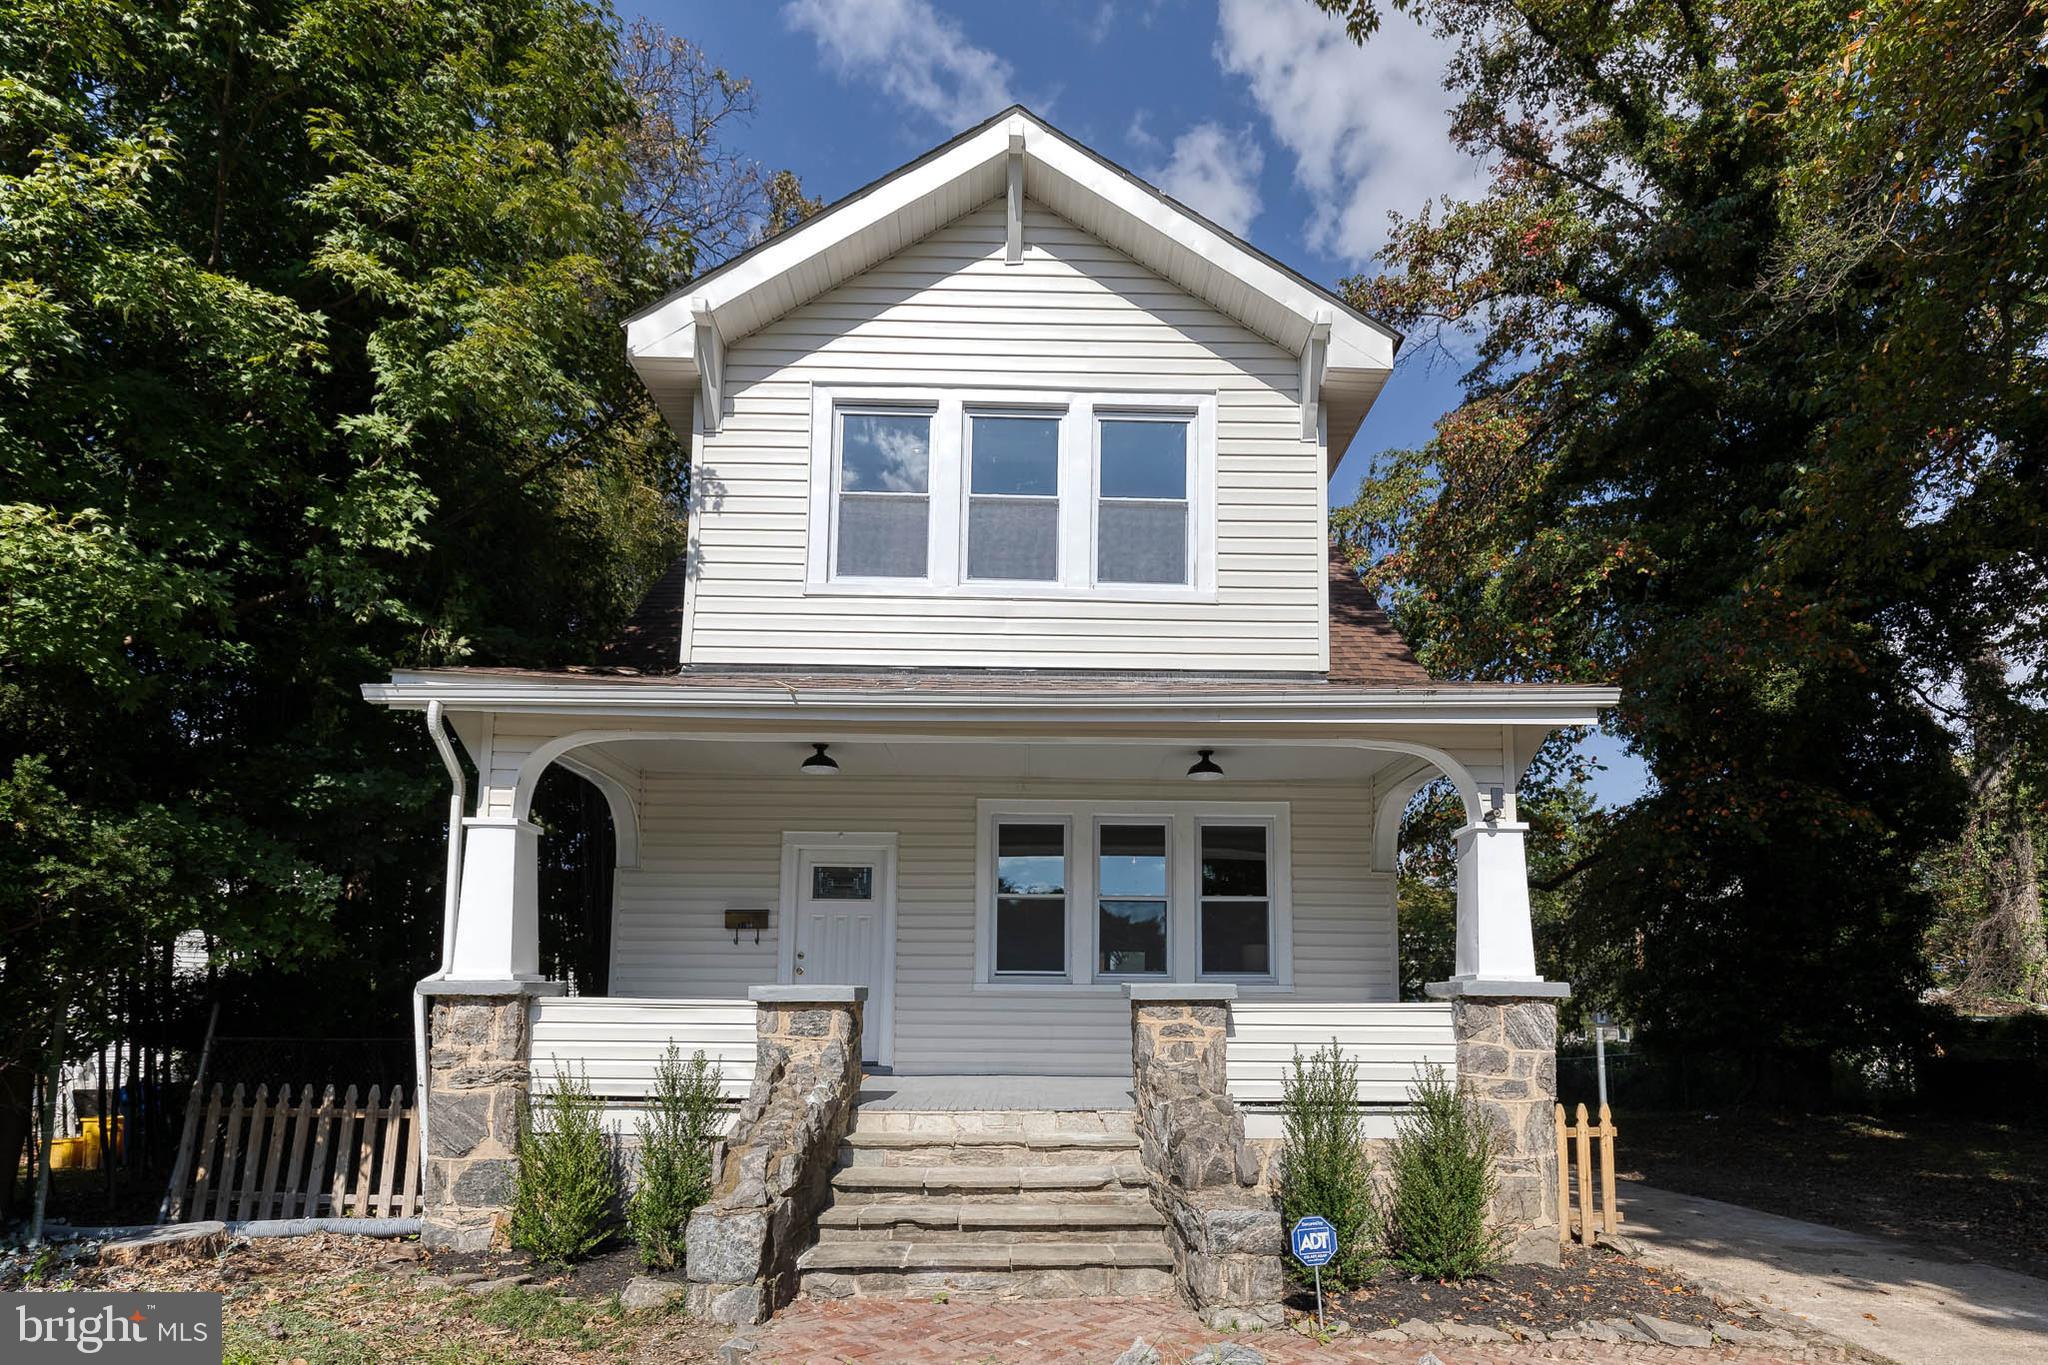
1079,761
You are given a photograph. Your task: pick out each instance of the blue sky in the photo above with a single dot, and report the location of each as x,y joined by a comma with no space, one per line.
1260,113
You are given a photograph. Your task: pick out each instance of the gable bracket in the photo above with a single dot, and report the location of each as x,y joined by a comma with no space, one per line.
710,365
1315,354
1013,240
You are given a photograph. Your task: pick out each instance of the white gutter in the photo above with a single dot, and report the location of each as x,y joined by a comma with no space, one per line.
458,802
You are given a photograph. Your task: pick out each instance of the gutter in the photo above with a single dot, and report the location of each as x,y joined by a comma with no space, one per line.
458,802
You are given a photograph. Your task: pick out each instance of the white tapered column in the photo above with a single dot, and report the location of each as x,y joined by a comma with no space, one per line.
497,918
1496,941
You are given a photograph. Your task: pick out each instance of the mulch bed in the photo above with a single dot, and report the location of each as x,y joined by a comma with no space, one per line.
1590,1284
607,1272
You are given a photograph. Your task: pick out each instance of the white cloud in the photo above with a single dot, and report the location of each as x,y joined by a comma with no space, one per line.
912,52
1369,128
1138,134
1215,172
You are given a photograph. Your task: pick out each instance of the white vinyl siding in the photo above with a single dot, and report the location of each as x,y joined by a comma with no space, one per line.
1077,316
711,841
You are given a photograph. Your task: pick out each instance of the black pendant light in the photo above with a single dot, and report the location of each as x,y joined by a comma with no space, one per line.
1205,768
821,764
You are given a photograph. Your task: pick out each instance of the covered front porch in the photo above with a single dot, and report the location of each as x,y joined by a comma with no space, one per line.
993,874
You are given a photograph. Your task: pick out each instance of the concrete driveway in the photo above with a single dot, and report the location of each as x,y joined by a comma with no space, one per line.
1888,1299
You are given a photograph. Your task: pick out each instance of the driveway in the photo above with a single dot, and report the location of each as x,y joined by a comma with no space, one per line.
1888,1299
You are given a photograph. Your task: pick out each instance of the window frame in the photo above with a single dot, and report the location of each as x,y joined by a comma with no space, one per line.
837,493
949,484
1202,902
1062,424
1183,820
991,855
1165,825
1096,499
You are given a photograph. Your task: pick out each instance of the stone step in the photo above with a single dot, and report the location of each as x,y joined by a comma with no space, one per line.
960,1220
997,1147
1025,1270
989,1182
942,1124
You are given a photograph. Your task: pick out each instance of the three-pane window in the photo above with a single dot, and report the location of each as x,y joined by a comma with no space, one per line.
1131,900
1013,497
1236,901
1031,899
884,495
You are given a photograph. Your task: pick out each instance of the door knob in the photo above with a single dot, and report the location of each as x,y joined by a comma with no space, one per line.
799,971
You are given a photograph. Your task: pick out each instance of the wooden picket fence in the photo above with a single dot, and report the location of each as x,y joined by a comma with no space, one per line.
1596,1218
311,1158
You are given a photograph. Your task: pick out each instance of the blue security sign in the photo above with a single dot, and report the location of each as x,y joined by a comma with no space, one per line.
1313,1241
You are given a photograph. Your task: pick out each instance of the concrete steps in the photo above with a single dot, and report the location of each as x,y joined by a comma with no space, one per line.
995,1205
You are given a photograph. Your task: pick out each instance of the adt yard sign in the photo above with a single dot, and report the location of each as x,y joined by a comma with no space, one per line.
1314,1240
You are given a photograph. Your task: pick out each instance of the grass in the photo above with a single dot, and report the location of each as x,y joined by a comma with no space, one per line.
1970,1188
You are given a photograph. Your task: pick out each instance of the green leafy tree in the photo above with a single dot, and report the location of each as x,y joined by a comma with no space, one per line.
677,1139
1708,454
310,368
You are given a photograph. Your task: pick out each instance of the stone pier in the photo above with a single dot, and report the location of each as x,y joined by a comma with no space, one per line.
478,1045
744,1242
1507,1059
1226,1236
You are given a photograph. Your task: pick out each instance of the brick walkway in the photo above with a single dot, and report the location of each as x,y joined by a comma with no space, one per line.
918,1332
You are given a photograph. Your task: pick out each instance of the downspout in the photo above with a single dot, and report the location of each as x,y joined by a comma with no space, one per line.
458,802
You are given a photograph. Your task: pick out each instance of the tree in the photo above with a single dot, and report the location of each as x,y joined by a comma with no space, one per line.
1680,464
310,368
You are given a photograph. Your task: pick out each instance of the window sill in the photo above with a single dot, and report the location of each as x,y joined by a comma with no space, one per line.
1257,986
921,589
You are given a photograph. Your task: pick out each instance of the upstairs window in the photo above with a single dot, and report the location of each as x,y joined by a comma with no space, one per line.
883,494
1141,518
1013,497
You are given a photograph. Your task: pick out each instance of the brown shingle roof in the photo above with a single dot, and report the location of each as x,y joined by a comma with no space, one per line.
1365,649
1364,646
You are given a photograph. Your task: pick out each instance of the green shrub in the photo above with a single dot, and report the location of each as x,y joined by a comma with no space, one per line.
1324,1167
566,1201
1442,1182
676,1140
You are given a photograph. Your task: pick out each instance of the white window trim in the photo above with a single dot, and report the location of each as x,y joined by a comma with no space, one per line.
1171,828
1104,412
946,562
1184,819
834,496
1272,881
988,948
1059,498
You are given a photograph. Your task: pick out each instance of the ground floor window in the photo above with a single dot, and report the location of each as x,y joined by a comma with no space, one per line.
1098,893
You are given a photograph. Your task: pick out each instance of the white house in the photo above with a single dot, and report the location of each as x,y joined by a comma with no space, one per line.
1008,668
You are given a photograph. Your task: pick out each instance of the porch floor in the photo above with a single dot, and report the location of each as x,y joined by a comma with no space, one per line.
927,1093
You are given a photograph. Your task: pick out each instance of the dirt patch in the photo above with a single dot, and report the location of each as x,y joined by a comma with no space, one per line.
333,1300
1590,1284
1966,1190
606,1273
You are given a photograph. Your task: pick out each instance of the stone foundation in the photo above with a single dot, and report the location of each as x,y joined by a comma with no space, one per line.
1507,1057
744,1242
1225,1233
476,1086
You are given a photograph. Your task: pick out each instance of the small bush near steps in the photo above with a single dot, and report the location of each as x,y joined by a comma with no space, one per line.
565,1204
1441,1183
1324,1168
676,1140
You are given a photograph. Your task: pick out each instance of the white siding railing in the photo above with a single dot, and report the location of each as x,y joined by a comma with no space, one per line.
616,1041
1387,1040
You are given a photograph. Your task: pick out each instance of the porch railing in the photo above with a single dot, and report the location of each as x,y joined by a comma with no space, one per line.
616,1042
1388,1041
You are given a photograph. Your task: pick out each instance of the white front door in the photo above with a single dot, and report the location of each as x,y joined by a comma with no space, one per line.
841,930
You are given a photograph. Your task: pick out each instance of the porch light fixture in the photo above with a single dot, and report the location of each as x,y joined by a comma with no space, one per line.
1205,768
821,764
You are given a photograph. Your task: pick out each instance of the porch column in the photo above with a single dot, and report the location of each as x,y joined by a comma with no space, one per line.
497,917
1504,1017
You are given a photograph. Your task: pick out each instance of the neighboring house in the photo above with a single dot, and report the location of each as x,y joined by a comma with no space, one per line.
1008,531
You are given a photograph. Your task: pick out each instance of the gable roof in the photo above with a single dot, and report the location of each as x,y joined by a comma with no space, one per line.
1365,647
676,345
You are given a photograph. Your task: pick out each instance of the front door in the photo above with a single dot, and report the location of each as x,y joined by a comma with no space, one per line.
840,928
